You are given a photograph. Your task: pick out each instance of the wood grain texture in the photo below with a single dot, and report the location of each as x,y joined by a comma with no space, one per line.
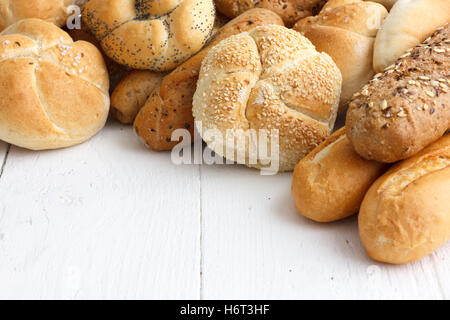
111,219
255,246
106,219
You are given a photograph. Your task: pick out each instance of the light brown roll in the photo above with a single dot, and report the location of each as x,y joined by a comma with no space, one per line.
132,92
346,30
54,11
170,105
408,24
148,34
329,184
289,10
406,213
116,71
270,78
54,91
407,107
387,3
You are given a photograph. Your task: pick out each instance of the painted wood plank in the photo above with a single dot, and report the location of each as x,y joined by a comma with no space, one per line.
255,246
106,219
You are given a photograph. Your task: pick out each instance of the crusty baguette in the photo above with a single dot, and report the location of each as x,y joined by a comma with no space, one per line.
170,105
329,184
132,92
406,213
407,25
407,107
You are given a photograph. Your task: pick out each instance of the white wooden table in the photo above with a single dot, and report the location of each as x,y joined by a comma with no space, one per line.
110,219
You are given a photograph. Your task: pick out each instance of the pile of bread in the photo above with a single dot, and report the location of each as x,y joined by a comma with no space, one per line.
294,66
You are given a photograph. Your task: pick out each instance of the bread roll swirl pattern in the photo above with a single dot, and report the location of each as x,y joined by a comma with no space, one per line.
54,91
145,34
269,78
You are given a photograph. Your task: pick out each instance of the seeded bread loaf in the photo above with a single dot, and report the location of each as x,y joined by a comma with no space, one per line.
405,215
170,105
148,34
405,108
289,10
269,78
408,24
346,29
329,184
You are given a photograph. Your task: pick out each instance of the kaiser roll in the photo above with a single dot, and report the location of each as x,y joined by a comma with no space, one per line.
269,78
346,30
54,91
149,34
55,11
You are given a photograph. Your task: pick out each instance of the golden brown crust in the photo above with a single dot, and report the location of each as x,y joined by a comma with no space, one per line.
407,107
170,107
54,91
329,184
147,34
289,10
346,29
406,213
132,92
268,78
54,11
116,71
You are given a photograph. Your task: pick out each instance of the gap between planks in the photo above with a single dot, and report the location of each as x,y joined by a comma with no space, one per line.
5,158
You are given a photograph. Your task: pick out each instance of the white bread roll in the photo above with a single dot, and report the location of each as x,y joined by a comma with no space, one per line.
149,34
406,213
54,92
344,29
329,184
409,23
54,11
268,78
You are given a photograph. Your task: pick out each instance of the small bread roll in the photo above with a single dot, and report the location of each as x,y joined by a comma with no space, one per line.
289,10
346,30
149,34
270,78
132,92
169,107
54,11
409,23
329,184
406,213
54,91
387,3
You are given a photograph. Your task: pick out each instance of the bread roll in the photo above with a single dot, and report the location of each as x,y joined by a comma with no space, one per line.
131,94
148,34
408,24
268,78
116,71
346,31
54,91
329,184
289,10
407,107
406,213
54,11
170,105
